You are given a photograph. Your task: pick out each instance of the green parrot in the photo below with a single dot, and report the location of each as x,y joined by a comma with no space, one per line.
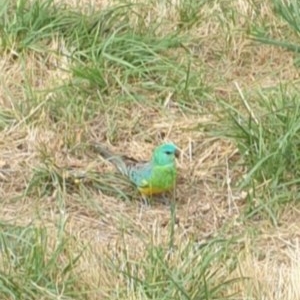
156,176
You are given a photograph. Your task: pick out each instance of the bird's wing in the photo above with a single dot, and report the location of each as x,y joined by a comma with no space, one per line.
140,173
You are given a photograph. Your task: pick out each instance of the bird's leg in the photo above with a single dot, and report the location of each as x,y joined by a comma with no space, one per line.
145,201
164,199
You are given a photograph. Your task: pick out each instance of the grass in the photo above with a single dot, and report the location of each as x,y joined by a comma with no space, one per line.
219,79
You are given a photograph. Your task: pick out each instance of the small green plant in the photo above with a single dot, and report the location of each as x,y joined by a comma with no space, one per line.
267,133
31,267
289,11
183,271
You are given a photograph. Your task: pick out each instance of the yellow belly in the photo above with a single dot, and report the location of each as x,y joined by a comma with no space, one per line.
148,191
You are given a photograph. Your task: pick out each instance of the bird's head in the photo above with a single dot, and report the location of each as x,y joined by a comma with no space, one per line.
165,154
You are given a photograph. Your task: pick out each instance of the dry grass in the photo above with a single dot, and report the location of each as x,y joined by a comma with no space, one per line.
37,151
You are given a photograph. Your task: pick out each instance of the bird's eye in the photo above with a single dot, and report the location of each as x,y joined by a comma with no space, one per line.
168,152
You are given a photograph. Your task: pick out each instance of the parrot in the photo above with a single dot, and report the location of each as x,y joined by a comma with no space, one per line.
156,176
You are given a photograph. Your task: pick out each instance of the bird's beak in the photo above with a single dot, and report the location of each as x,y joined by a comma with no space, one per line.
177,153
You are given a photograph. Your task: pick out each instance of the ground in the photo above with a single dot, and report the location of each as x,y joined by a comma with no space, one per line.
131,77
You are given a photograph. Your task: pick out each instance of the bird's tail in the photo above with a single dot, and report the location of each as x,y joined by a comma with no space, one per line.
115,159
